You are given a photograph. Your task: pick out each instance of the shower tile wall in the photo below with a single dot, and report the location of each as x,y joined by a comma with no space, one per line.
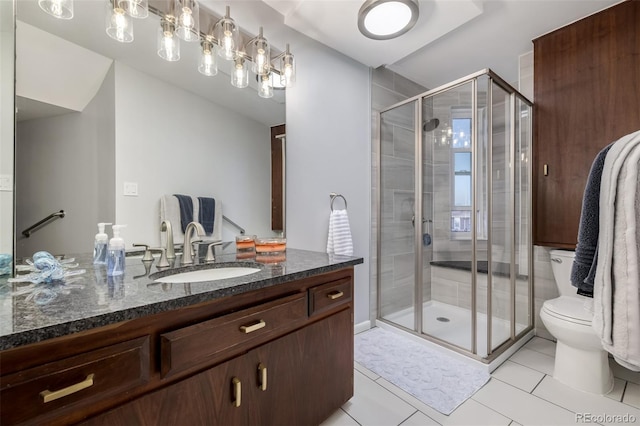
387,89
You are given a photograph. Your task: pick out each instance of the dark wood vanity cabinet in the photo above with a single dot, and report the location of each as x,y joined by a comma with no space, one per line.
278,356
586,96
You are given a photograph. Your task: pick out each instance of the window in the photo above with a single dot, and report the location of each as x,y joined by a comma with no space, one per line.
461,158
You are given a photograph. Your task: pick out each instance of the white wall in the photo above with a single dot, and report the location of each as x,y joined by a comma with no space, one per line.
6,126
65,163
328,150
171,141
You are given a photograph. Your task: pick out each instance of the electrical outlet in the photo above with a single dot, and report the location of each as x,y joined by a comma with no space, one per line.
131,189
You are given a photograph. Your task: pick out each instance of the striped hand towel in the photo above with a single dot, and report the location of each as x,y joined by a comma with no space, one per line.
339,241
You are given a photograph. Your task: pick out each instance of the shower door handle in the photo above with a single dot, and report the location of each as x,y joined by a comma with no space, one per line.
413,220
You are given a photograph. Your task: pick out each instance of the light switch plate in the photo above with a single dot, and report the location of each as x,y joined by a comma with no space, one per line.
131,189
6,183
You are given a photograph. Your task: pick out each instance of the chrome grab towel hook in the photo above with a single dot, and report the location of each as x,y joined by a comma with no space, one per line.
333,197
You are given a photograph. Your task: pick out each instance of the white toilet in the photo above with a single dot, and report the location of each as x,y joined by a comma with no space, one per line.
581,362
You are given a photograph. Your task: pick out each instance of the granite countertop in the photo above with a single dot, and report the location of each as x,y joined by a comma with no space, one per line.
93,300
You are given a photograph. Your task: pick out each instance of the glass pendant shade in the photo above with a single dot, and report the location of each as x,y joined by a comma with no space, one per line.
265,87
188,20
239,73
228,36
61,9
168,42
118,24
261,53
287,69
138,9
208,65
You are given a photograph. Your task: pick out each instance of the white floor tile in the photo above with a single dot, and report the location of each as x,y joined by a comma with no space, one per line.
514,424
339,418
364,370
624,373
373,405
618,389
521,406
419,419
469,412
518,375
632,395
583,403
535,360
544,346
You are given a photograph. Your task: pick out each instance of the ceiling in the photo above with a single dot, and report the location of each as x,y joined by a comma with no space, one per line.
451,39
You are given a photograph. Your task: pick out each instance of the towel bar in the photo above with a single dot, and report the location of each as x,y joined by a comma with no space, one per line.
333,197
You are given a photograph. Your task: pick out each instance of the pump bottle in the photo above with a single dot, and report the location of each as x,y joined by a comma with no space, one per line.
100,245
115,255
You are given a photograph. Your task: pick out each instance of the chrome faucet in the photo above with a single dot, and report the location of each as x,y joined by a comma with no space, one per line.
187,250
166,227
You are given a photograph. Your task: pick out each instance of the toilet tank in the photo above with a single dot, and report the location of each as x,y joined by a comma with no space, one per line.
561,263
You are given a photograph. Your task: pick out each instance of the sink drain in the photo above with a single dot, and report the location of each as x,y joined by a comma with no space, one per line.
443,319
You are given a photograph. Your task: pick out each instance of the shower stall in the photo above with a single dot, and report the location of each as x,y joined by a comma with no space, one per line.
454,216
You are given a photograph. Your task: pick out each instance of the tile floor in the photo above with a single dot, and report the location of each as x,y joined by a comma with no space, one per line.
520,392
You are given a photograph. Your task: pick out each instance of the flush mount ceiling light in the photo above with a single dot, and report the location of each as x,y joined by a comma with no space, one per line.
387,19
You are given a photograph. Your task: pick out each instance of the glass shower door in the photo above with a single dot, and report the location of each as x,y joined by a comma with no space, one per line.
397,259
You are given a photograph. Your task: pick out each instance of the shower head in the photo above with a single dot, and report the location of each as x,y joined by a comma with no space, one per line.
430,125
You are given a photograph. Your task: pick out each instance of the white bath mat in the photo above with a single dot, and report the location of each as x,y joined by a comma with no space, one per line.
438,380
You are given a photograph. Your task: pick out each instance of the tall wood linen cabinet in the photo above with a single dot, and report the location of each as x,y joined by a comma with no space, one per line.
586,96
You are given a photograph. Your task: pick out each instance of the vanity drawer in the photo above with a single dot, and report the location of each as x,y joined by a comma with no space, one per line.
75,382
330,295
206,343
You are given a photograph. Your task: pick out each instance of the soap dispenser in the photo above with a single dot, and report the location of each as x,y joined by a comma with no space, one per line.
100,245
115,255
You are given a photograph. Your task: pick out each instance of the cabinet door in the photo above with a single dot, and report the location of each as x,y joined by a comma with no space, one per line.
208,398
309,373
585,97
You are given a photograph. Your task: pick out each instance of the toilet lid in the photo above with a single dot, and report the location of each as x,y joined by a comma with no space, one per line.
571,308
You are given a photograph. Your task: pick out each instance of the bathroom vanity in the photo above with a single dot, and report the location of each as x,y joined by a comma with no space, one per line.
272,347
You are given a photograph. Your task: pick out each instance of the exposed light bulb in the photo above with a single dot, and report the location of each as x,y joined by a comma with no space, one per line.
138,9
265,89
61,9
188,24
168,43
118,24
228,35
208,64
239,73
287,69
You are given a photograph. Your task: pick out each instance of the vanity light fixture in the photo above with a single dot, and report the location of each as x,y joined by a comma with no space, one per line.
138,9
387,19
260,51
208,65
228,35
118,24
168,42
180,19
239,73
188,20
265,86
61,9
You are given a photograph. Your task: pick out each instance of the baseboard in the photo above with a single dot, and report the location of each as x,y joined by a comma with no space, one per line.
360,327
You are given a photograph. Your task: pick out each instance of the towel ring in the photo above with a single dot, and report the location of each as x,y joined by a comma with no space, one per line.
333,196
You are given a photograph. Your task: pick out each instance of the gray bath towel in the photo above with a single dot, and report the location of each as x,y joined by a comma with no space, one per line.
584,265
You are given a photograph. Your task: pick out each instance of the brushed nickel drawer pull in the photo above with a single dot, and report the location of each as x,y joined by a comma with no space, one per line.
48,396
252,328
545,170
335,295
262,376
237,391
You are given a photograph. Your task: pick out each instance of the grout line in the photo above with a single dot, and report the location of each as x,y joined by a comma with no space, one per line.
409,416
536,396
538,384
353,418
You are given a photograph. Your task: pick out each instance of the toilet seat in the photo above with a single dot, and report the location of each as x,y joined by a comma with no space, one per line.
569,309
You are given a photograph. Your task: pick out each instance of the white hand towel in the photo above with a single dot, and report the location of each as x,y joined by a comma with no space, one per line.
339,241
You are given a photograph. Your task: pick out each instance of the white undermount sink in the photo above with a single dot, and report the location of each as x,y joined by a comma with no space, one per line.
211,274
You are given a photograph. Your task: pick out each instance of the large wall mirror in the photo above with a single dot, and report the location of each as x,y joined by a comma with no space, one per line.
105,129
